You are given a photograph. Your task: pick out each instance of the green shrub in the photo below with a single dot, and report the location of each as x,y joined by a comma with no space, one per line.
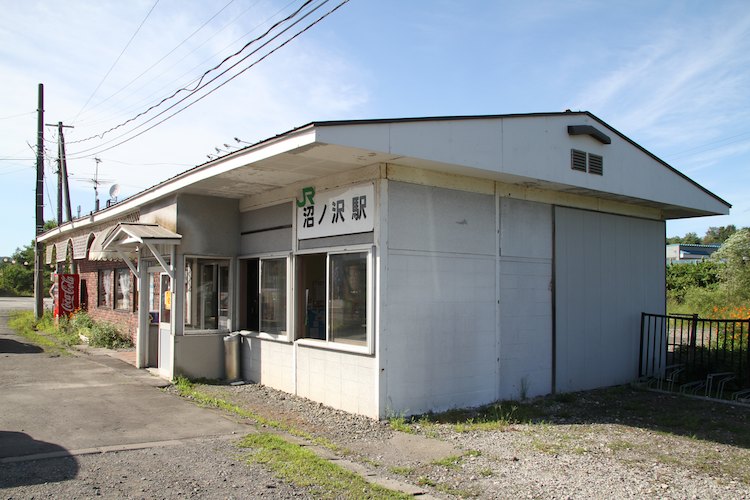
107,335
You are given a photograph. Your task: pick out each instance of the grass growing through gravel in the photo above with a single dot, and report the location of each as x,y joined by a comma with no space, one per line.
303,468
187,389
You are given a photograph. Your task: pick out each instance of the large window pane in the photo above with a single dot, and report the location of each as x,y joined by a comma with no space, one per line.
206,294
273,295
348,298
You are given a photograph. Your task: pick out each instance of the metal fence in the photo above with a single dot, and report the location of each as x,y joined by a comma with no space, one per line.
698,355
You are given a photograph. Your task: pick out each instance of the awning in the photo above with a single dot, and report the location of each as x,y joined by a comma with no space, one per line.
97,252
129,238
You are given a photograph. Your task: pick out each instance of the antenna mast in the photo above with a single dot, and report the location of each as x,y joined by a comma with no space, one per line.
96,185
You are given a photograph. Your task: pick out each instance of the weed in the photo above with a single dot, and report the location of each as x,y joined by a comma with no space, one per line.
485,472
450,462
620,445
401,471
401,424
425,481
298,465
186,388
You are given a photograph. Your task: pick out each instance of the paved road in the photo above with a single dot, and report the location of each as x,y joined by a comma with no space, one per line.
87,425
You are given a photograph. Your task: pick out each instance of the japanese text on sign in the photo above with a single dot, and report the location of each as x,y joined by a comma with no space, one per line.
336,212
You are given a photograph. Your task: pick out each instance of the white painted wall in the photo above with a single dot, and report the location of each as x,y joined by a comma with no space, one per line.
342,380
440,348
268,362
525,299
608,269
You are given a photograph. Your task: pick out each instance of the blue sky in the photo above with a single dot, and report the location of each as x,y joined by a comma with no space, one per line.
673,76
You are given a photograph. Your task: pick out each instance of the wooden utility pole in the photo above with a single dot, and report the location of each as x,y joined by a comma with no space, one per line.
63,193
38,247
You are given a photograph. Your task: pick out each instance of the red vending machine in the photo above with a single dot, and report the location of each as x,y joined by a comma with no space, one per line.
67,294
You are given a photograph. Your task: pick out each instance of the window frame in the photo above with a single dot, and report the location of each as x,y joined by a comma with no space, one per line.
368,347
125,293
219,261
104,300
286,335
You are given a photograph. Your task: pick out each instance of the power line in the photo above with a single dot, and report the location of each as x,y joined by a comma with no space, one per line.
199,84
234,76
146,99
219,85
164,56
117,60
17,116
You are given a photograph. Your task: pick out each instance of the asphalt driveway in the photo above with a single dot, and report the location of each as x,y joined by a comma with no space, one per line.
92,425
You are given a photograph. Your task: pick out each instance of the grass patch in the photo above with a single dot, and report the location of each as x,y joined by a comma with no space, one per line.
401,471
450,462
620,445
187,389
303,468
493,417
40,333
401,424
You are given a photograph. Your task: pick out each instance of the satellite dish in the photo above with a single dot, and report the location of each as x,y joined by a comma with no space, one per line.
114,190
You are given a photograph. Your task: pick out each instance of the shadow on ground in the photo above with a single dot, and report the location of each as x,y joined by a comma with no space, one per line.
10,346
25,461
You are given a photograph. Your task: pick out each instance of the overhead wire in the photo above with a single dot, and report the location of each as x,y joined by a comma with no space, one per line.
164,56
145,100
199,84
234,76
116,60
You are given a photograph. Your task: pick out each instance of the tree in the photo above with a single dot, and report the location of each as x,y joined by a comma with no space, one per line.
689,238
735,254
17,272
719,234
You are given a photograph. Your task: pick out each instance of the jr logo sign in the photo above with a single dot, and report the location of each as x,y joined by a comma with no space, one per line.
335,212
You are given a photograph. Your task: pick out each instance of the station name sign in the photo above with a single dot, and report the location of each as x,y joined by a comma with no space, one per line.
335,212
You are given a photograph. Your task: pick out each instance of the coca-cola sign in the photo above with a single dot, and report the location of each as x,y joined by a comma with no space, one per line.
67,294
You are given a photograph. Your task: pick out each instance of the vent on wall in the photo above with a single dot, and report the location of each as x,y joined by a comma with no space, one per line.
596,164
578,160
586,162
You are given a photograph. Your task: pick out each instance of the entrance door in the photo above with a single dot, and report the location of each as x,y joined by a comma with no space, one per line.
311,296
165,323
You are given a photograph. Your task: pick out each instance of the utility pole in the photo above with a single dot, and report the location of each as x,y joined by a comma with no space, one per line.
38,258
63,192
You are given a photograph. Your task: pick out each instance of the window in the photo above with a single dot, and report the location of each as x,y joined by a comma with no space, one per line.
122,289
264,285
207,294
273,295
347,290
333,293
104,288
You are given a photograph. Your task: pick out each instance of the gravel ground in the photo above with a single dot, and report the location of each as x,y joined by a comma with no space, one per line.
616,443
203,468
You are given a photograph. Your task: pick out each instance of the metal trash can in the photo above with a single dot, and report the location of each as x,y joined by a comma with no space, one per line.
232,357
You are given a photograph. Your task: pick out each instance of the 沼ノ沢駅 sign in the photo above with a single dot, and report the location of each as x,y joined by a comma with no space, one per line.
335,212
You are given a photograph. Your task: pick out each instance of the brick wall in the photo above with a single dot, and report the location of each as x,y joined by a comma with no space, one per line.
126,320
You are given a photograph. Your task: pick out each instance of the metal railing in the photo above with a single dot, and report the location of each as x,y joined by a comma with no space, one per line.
696,355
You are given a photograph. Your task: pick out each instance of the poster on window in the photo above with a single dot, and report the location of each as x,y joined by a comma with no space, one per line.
335,212
66,294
